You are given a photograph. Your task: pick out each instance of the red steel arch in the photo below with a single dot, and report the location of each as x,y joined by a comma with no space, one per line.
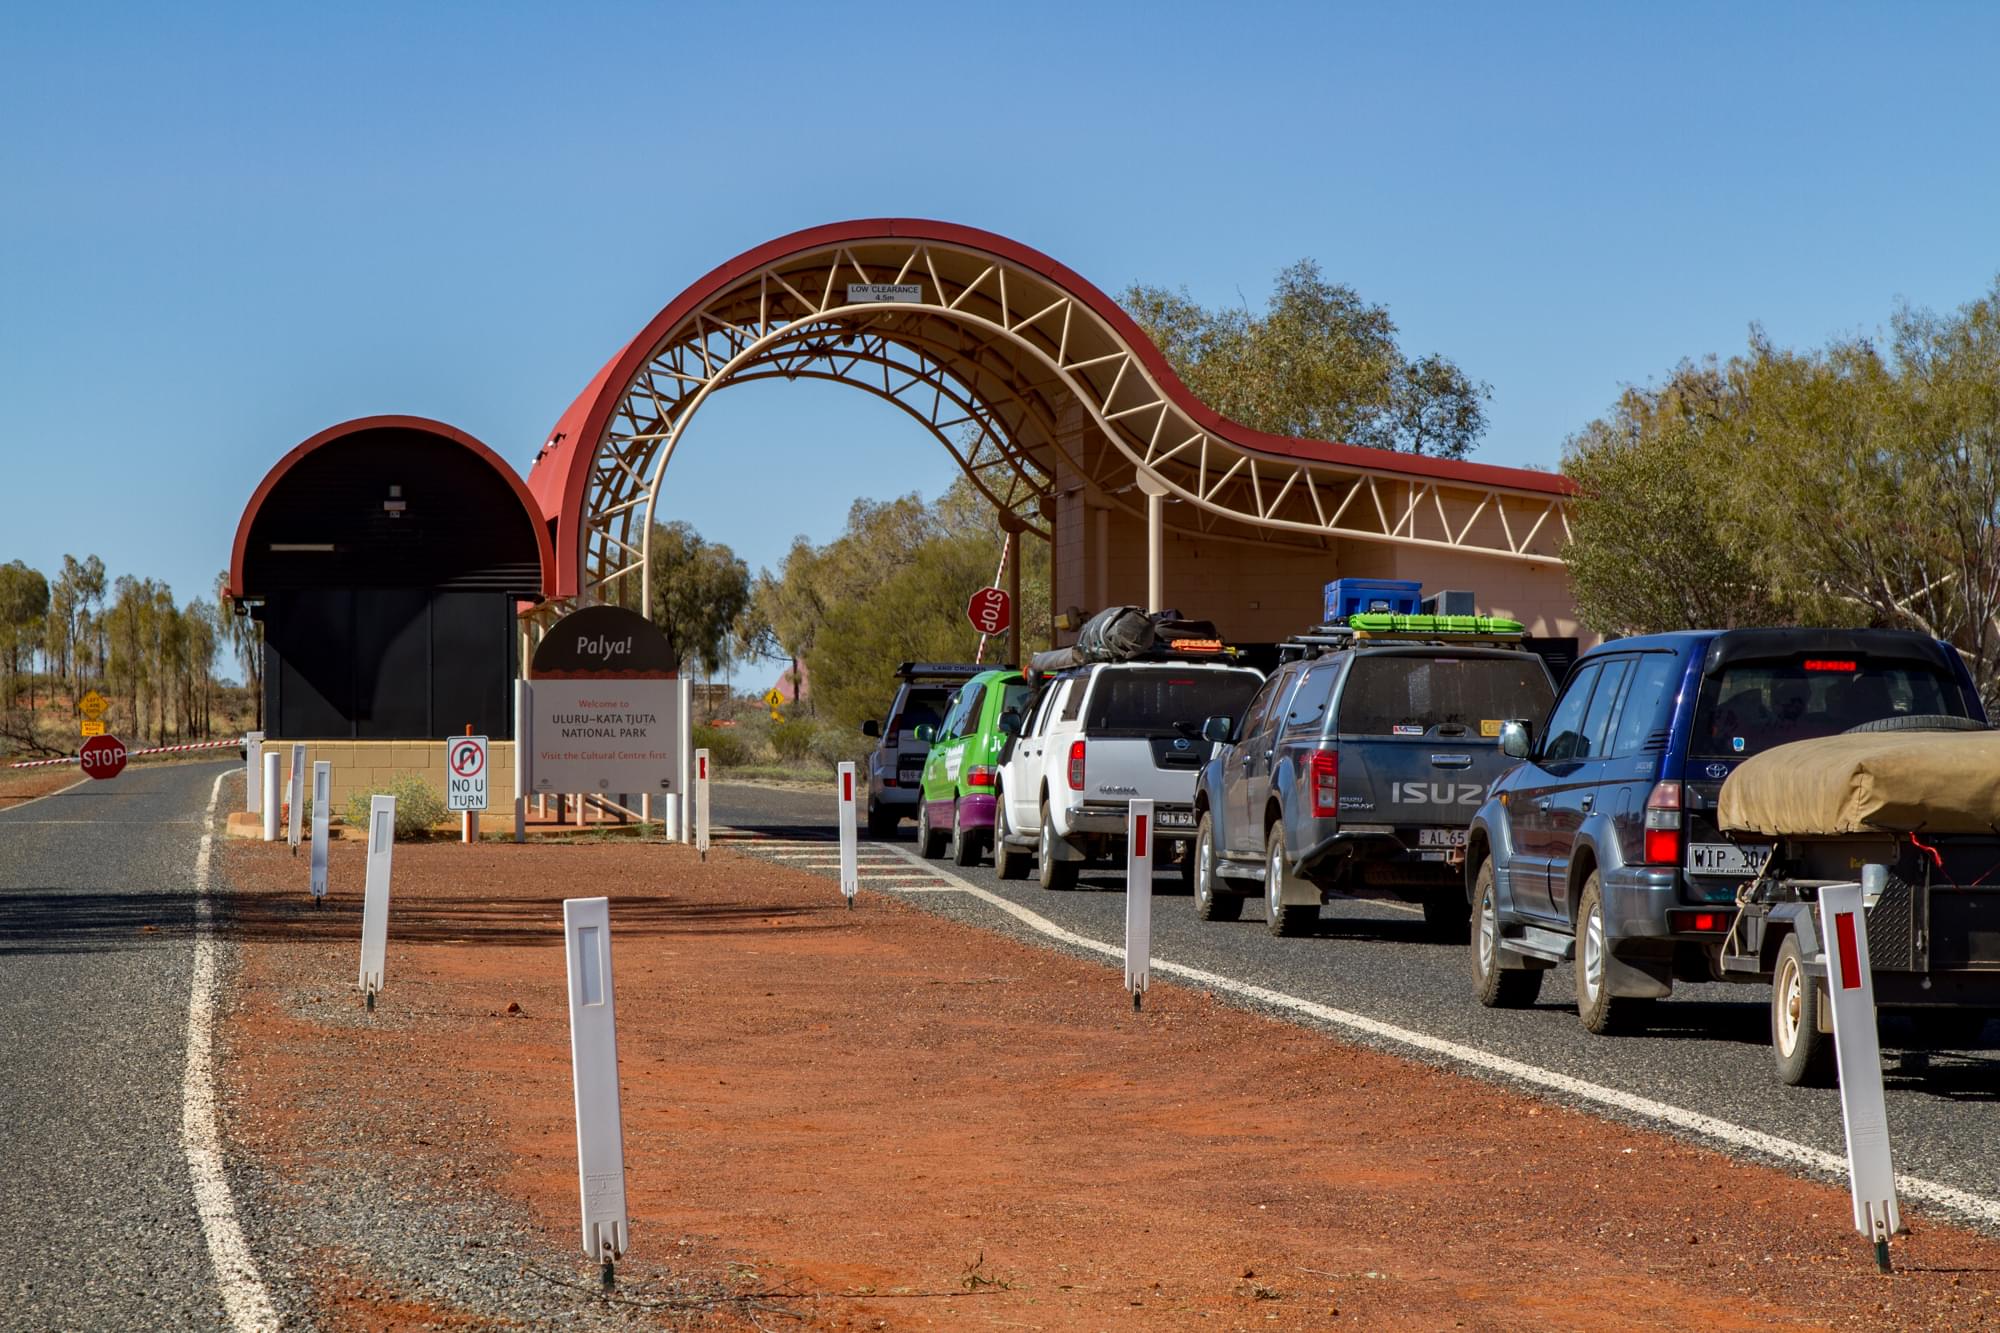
774,307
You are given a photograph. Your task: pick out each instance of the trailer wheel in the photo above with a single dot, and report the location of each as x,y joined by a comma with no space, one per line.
1803,1054
1495,986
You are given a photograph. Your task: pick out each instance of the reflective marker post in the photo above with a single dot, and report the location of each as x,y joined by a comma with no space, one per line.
701,802
253,772
375,897
524,750
295,797
593,1055
270,793
1871,1176
322,798
850,849
1138,898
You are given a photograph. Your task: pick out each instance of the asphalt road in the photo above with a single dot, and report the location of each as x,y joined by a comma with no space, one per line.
1706,1049
96,947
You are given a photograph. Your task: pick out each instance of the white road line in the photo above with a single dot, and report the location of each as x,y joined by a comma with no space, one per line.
243,1294
1964,1202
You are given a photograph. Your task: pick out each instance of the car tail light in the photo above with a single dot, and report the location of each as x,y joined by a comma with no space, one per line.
1663,824
1076,765
888,782
980,776
1323,778
1699,920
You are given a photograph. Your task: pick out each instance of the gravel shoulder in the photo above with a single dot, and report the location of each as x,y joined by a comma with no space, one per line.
883,1118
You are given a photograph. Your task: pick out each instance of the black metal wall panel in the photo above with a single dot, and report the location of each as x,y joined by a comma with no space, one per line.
472,647
308,668
392,664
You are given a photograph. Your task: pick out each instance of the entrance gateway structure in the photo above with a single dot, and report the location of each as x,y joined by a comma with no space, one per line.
1051,399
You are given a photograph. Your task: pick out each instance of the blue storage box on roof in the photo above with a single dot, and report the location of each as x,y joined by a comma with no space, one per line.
1351,597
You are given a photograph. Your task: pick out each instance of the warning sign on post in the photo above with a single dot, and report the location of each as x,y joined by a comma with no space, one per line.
465,773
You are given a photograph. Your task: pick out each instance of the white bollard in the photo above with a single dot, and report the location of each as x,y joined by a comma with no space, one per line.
671,824
523,756
1850,985
1138,898
850,849
701,802
593,1055
375,896
271,802
295,797
684,750
253,772
322,799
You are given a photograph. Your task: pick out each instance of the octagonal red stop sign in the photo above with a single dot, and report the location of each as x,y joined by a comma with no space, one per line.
990,611
103,757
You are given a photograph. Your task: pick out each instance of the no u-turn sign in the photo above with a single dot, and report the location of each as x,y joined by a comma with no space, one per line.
465,773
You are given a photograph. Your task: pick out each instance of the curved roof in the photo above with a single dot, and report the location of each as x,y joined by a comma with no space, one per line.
560,475
544,548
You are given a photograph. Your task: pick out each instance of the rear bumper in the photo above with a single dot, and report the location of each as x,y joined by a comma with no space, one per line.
1106,818
893,798
974,812
1388,846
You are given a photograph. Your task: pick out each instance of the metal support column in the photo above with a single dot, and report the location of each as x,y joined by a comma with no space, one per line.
1156,503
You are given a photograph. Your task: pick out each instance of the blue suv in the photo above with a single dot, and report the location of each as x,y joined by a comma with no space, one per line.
1601,844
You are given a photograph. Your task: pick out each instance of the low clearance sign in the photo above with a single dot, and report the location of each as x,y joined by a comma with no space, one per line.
602,716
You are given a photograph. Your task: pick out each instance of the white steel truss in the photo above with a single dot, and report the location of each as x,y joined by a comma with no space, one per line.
987,358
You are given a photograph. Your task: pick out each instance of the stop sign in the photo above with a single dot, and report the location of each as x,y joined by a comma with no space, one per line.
990,611
103,757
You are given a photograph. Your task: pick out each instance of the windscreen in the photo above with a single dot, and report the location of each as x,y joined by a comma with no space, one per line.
923,706
1152,702
1407,695
1748,707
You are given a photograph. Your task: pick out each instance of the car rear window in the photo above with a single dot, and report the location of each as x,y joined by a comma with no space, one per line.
921,708
1748,707
1153,701
1407,695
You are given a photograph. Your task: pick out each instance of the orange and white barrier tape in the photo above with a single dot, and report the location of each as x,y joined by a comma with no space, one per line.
134,754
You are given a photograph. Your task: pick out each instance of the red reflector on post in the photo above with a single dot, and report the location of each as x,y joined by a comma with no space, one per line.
846,786
1139,823
1850,951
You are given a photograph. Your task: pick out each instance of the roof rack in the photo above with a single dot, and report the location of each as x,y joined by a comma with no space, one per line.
1426,631
940,669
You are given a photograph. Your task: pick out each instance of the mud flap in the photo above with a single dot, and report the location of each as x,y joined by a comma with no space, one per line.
1639,978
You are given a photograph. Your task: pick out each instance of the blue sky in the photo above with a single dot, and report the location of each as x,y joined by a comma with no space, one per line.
223,228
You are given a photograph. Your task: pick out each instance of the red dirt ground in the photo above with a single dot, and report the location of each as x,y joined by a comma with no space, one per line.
907,1123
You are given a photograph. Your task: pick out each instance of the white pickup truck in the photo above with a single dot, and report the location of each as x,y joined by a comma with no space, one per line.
1095,738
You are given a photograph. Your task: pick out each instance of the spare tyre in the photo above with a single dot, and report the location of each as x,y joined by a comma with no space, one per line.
1920,722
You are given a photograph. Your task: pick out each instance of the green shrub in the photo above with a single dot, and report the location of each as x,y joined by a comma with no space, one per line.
418,805
834,745
793,739
725,748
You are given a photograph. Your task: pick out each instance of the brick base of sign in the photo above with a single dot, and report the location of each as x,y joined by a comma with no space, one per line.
361,766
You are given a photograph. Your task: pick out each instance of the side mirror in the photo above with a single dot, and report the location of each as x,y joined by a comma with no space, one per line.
1010,723
925,734
871,728
1514,740
1217,729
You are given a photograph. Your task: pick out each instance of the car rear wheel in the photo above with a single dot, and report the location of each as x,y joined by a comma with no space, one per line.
881,821
1600,1010
1279,917
1008,862
1211,901
1054,874
1446,916
1803,1054
964,845
930,841
1495,986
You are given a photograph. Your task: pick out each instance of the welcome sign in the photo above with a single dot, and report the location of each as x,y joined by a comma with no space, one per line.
603,687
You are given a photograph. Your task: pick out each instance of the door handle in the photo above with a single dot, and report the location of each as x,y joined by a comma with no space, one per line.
1543,804
1589,799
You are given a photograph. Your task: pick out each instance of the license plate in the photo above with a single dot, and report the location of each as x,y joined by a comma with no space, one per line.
1441,837
1724,858
1174,818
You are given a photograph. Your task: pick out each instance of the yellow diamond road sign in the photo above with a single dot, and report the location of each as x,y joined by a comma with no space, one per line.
776,697
93,706
93,727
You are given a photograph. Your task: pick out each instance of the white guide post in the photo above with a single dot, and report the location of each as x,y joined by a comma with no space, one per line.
701,802
524,749
295,797
271,802
1138,898
253,772
1871,1176
375,896
684,765
850,846
322,799
593,1055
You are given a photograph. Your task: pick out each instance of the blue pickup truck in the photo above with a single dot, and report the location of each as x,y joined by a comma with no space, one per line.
1603,845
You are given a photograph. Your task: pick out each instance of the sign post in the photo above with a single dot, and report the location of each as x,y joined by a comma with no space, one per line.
375,895
253,772
271,801
593,1055
93,706
684,756
701,802
774,699
1871,1176
850,848
102,757
295,797
1138,898
465,774
524,751
322,799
